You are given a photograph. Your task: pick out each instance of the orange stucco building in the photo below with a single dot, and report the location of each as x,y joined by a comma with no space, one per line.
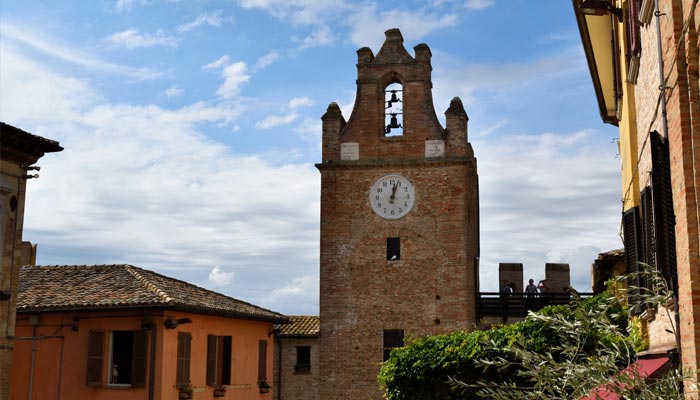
114,332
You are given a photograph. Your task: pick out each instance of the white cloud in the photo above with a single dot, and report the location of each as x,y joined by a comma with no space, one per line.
300,102
368,27
310,130
13,34
132,39
221,62
128,5
299,12
493,128
273,121
546,197
234,76
479,4
211,19
267,59
299,296
148,188
173,91
219,278
298,286
321,36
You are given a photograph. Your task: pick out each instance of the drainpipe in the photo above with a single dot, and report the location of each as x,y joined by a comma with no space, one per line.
279,371
662,81
152,372
31,369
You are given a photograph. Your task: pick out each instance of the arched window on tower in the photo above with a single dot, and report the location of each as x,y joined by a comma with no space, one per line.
393,110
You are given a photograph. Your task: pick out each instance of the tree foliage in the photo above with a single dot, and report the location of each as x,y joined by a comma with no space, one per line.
560,352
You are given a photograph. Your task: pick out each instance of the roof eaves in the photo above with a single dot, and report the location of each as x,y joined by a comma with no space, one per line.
592,65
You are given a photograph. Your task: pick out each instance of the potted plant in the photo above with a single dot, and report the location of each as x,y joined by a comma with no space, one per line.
186,392
264,387
220,391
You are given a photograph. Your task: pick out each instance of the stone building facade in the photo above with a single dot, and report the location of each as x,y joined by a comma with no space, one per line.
399,220
296,368
647,85
19,150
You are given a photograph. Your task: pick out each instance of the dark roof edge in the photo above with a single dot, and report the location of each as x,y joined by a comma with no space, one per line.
165,307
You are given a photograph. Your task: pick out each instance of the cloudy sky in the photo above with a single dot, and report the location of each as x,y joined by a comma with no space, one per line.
191,129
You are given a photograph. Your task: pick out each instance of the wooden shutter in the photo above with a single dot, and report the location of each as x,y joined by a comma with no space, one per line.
634,39
138,368
646,238
212,342
262,361
630,227
95,358
664,217
184,342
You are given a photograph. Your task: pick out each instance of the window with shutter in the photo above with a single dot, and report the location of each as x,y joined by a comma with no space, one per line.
262,361
182,375
138,370
633,45
664,217
646,240
218,360
630,227
127,358
95,356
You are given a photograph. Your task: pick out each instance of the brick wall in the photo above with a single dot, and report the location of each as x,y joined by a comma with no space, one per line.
680,59
292,384
511,273
558,277
431,289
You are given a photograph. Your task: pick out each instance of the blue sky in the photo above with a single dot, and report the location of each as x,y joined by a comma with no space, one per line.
191,129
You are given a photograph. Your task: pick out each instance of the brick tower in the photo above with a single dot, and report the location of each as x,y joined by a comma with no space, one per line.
399,220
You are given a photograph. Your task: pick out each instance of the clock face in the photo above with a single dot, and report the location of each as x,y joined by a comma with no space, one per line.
392,196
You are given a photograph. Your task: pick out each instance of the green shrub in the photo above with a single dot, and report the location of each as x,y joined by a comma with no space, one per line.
459,365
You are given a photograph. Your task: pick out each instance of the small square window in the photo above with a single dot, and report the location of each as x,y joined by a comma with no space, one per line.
393,338
393,249
303,359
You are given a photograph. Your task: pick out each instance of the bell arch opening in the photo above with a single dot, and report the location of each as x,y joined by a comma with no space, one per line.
393,109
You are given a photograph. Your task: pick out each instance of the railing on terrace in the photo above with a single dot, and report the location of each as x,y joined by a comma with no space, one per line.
495,304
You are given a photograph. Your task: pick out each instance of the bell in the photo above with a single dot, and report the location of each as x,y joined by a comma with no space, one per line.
394,123
394,99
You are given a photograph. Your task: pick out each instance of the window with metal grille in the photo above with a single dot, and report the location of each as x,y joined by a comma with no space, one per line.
393,338
393,249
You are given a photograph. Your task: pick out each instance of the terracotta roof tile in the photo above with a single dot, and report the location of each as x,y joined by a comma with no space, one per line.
102,287
300,325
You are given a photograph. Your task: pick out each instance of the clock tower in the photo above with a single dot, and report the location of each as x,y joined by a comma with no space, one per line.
399,220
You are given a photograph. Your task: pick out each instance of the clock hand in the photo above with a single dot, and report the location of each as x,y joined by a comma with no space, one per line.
393,192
